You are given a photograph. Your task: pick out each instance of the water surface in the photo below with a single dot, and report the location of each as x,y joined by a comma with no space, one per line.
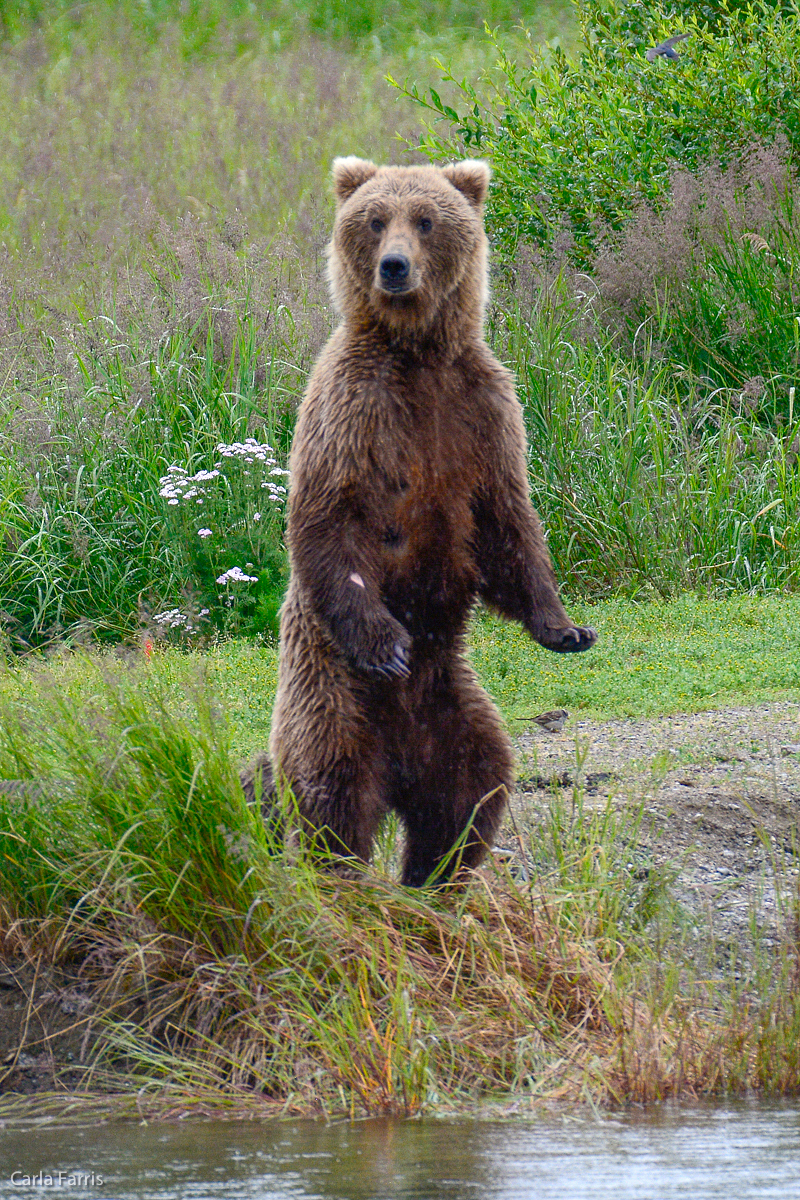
740,1152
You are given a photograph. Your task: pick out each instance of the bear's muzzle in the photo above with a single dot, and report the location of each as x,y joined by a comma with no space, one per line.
394,271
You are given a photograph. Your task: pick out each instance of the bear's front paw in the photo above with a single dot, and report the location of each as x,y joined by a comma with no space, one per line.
570,640
395,666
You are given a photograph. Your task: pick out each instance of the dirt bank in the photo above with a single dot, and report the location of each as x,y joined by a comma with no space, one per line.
43,1030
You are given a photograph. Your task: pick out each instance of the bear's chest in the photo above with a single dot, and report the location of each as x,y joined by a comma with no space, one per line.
429,474
426,434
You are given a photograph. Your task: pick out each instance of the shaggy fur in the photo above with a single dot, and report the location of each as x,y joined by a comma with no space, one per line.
408,501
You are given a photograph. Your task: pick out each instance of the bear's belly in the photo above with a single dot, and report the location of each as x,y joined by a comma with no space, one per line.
430,576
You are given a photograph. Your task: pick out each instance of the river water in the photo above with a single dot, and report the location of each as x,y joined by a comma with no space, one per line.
738,1151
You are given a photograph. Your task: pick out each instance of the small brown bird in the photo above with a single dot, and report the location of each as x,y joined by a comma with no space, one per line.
553,721
666,49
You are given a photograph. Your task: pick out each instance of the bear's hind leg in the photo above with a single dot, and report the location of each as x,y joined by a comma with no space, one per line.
342,807
432,852
326,749
340,813
458,774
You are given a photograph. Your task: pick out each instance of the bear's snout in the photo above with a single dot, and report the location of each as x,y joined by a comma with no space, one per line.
395,272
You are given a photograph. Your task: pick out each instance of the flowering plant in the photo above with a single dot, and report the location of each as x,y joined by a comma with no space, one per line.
230,522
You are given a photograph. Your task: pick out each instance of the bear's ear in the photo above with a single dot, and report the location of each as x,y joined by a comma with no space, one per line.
471,177
349,174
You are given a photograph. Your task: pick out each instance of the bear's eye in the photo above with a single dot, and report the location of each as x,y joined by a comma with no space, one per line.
425,224
376,225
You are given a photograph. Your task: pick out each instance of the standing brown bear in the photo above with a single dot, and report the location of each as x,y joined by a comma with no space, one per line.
408,500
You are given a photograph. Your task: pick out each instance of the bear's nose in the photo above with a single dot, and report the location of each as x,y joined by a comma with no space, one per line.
394,271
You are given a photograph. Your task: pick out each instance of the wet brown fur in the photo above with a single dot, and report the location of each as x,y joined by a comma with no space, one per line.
408,501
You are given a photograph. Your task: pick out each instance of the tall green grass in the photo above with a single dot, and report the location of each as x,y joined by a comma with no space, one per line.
648,484
89,542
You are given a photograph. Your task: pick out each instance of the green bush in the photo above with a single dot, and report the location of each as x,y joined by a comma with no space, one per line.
578,145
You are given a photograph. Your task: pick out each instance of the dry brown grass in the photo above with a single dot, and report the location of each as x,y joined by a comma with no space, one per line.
415,1002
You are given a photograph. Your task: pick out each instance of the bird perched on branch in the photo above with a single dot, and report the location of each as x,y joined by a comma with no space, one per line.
666,49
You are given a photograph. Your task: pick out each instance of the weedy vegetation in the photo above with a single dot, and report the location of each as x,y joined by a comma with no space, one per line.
163,220
215,962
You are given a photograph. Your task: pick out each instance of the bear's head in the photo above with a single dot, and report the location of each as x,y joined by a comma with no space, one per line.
409,248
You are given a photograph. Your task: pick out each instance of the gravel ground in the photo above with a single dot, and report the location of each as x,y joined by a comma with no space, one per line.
721,793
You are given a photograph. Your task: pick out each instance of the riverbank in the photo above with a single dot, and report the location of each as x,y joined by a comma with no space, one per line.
634,937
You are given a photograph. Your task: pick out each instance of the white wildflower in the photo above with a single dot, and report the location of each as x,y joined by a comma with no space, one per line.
204,533
250,450
177,485
173,618
236,575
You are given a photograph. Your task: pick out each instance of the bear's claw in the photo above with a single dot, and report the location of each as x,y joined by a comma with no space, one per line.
397,664
571,640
